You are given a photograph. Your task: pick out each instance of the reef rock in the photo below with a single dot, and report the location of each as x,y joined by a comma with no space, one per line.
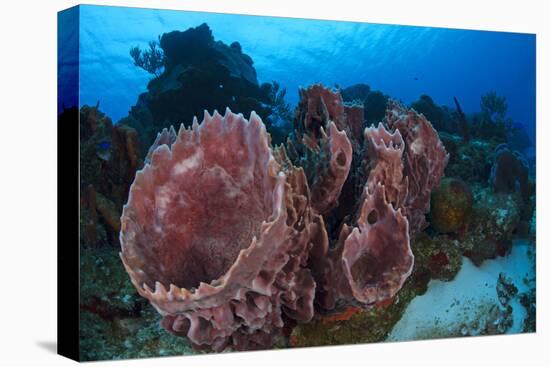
437,256
199,73
470,161
109,159
495,218
510,172
176,46
451,206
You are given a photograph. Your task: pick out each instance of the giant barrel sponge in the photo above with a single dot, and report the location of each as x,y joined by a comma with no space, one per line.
229,239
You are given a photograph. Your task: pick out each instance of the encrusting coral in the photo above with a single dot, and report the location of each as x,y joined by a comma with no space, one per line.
230,239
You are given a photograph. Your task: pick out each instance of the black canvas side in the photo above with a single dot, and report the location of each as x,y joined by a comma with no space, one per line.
68,185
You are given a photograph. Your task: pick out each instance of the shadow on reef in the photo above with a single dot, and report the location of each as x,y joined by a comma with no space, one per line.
359,201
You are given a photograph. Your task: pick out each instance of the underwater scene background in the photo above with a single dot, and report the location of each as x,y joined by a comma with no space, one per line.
461,258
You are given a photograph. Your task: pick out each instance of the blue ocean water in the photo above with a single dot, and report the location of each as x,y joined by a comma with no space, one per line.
402,61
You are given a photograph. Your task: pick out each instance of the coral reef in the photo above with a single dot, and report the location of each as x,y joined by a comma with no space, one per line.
198,73
109,156
443,118
317,106
115,322
493,105
355,93
233,280
506,289
350,217
510,172
494,219
370,263
325,156
451,206
309,226
491,123
529,301
359,325
438,257
374,101
426,106
469,161
385,152
462,122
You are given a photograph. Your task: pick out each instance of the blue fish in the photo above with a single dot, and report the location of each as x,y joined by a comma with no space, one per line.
104,145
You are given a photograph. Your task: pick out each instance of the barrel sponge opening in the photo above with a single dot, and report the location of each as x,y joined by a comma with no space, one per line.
199,202
377,255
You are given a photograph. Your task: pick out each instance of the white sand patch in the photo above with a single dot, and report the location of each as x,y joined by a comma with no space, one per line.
449,307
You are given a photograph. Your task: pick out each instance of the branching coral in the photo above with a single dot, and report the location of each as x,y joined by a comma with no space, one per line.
151,60
229,238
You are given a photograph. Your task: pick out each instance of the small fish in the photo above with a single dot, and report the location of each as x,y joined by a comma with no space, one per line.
104,144
104,150
415,78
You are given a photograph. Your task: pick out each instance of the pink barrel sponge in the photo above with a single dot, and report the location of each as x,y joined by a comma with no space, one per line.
424,161
205,235
230,239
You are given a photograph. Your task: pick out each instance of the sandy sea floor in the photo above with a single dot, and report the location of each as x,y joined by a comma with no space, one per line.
470,304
